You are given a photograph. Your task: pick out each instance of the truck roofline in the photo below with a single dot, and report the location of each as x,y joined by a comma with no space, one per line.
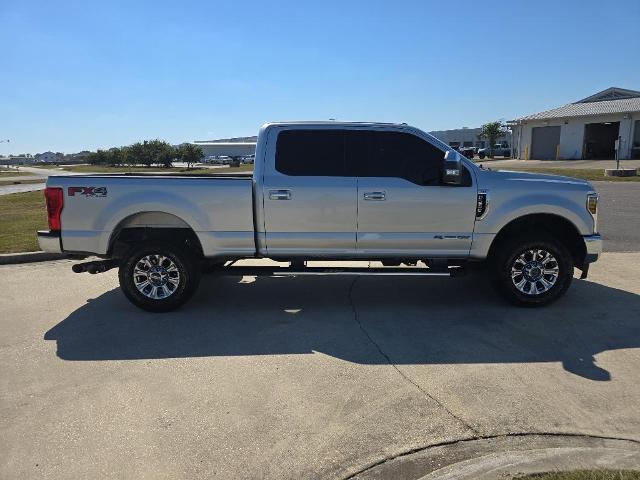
338,124
333,122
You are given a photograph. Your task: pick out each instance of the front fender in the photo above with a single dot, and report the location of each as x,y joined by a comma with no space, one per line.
503,211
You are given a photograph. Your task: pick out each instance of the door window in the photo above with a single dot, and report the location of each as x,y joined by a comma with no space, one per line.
318,153
402,155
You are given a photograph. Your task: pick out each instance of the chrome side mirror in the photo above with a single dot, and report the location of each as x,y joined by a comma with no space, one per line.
452,168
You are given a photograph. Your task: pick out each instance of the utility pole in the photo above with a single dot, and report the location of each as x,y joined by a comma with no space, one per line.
5,141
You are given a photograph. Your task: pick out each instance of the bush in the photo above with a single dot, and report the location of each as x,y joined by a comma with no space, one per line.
149,152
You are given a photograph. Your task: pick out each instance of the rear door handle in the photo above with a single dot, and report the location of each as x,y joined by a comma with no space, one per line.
279,194
375,196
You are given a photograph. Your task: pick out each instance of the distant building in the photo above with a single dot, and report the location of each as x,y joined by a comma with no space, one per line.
16,160
587,129
48,157
229,149
466,137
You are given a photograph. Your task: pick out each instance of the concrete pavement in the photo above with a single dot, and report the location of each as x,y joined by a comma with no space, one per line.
514,164
618,219
302,377
34,174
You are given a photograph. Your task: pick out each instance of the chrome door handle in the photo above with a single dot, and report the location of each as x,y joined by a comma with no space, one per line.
375,196
279,194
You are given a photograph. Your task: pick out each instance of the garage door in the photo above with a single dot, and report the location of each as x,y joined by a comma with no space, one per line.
544,141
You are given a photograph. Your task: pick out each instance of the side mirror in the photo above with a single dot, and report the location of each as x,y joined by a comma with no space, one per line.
452,168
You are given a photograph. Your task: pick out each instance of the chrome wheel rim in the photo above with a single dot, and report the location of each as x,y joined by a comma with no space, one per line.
156,276
535,272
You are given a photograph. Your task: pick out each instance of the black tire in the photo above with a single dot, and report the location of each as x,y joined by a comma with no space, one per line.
508,258
178,288
481,155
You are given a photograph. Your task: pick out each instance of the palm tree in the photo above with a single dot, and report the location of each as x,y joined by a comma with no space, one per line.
492,131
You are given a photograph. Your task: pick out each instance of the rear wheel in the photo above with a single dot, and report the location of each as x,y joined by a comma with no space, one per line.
532,272
159,277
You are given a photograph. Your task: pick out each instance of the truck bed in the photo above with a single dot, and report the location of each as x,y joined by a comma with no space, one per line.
217,207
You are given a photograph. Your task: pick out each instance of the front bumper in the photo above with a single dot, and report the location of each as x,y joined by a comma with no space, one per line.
593,244
49,241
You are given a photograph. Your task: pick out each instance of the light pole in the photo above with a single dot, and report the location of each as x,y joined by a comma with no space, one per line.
5,141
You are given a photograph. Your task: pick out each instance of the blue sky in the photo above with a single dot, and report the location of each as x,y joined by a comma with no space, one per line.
79,75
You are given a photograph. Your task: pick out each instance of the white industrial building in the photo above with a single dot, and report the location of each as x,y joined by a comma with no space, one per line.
48,157
591,128
228,149
466,137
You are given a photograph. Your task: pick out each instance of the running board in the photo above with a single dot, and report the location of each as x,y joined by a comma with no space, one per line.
362,271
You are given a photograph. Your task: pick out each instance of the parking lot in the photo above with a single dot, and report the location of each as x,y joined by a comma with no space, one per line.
309,377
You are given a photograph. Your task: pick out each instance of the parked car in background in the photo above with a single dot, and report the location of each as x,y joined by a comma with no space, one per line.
500,149
468,152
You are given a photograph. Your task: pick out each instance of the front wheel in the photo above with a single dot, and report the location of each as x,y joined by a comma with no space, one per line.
532,272
159,277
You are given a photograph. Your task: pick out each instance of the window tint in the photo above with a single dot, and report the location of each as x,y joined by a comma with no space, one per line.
361,153
402,155
356,150
311,153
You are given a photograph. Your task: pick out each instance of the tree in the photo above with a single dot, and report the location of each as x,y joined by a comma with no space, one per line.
99,157
189,154
137,154
152,152
116,156
161,153
149,152
492,131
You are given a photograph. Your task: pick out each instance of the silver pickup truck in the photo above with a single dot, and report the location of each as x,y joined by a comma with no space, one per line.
330,191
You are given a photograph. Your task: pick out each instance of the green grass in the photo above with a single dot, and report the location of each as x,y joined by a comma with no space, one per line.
591,174
21,214
20,182
180,170
584,475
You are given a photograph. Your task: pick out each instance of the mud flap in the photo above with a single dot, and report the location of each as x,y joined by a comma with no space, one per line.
585,271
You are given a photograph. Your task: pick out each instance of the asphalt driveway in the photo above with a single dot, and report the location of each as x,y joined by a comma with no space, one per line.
619,215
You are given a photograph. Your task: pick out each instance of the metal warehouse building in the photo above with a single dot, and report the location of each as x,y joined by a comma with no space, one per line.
591,128
230,149
466,137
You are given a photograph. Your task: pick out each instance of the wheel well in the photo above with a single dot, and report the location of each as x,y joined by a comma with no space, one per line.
558,227
125,238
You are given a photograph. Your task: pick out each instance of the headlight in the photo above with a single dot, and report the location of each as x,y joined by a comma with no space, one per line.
592,208
592,203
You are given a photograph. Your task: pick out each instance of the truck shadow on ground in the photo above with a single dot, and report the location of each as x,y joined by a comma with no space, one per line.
413,321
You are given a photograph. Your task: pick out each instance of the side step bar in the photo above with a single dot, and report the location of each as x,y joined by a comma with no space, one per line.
364,271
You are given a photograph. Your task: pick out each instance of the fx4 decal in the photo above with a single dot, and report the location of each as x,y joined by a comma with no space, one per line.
88,191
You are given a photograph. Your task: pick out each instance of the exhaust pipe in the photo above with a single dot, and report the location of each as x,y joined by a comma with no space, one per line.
98,266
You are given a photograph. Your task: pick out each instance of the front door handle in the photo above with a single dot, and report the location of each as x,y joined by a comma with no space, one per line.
375,196
279,194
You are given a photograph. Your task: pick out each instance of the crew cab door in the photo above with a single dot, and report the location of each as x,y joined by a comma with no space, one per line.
403,208
309,200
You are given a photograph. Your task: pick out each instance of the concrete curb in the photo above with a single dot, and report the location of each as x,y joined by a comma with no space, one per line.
28,257
506,456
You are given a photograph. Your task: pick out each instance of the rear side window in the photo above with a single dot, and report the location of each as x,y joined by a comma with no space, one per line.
311,153
402,155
